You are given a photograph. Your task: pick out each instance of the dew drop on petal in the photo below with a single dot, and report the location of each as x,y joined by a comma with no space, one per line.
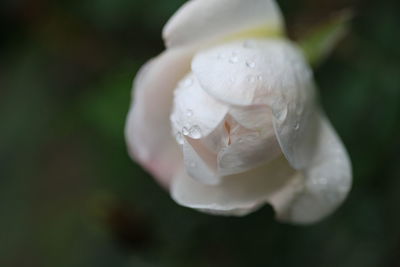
189,113
281,115
185,131
297,127
195,132
179,138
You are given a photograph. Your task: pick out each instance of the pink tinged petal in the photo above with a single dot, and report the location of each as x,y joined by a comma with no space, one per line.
217,139
267,72
327,181
195,113
235,195
200,163
148,130
207,21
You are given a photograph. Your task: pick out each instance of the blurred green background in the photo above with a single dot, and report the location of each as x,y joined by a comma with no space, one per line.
70,195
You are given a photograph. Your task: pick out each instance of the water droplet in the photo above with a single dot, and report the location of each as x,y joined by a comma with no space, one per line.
195,132
179,138
240,140
297,127
185,131
189,113
250,64
259,77
281,115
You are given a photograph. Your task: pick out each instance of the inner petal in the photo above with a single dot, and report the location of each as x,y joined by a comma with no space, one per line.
200,155
195,113
247,148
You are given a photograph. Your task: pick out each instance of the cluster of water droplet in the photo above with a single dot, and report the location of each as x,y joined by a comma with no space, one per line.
193,131
235,58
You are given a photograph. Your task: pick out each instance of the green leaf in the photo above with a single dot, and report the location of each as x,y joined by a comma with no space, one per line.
321,41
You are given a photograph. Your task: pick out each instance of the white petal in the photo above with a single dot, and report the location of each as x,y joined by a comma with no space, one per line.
327,181
239,75
200,163
253,117
195,113
235,195
218,139
265,72
205,21
248,148
148,130
200,156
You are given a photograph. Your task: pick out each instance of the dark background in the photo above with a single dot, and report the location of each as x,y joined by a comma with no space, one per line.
70,195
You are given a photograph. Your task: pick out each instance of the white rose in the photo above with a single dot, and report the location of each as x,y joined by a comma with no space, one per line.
226,118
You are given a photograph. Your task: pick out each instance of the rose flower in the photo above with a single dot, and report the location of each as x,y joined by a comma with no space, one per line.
227,118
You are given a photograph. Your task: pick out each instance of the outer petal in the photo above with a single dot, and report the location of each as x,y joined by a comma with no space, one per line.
148,130
206,21
265,72
327,181
237,194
